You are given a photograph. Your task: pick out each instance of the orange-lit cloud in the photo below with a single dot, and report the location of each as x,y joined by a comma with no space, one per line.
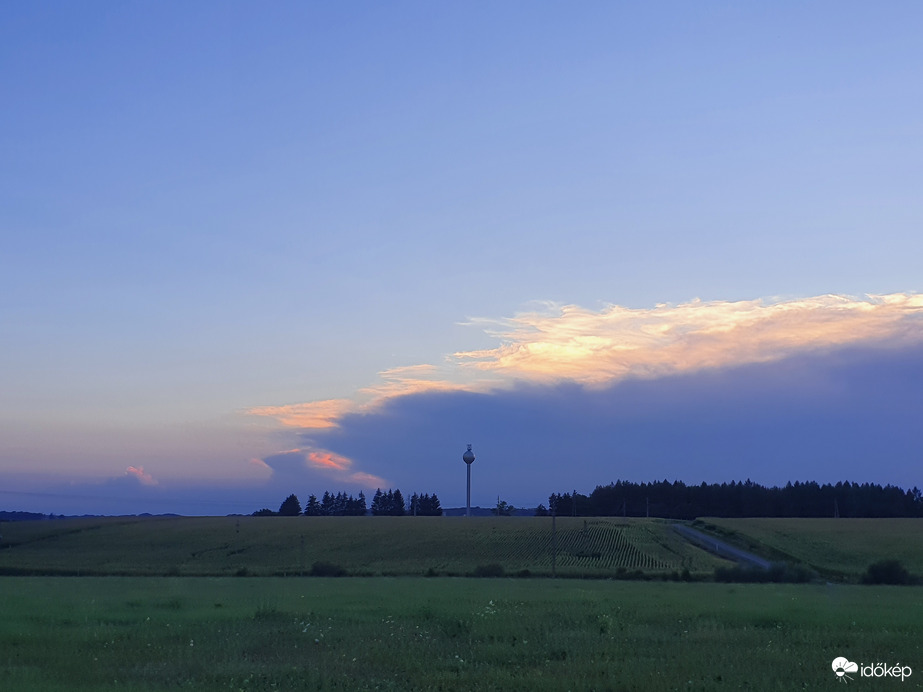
413,379
598,347
139,473
329,460
313,414
326,413
334,465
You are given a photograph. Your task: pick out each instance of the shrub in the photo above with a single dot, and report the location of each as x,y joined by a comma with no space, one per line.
327,569
491,570
887,572
777,573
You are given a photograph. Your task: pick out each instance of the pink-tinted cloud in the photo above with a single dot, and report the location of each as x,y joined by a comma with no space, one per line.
368,480
329,460
325,413
138,473
560,343
313,414
414,379
261,465
597,347
294,462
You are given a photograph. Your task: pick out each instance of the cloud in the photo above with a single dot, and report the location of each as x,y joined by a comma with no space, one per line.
413,379
568,343
690,391
142,477
261,465
844,414
824,389
598,347
312,414
329,460
299,466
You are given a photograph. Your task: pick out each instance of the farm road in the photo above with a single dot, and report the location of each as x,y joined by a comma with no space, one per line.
720,548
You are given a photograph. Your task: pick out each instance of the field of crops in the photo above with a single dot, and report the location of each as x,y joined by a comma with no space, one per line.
78,634
361,545
833,547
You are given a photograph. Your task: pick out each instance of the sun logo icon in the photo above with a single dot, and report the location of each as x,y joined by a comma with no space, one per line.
841,666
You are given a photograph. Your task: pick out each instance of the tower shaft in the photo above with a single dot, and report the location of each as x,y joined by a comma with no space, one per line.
468,505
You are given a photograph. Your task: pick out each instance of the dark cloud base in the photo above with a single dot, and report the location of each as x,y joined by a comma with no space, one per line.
850,414
847,414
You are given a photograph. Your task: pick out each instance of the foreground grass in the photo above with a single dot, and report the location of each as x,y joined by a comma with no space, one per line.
131,633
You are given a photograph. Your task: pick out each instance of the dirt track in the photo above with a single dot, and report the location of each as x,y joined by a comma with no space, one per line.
720,548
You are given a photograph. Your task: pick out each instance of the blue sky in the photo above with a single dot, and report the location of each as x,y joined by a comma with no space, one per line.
252,250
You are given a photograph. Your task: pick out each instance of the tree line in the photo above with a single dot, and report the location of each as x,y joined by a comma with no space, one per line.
677,500
674,500
390,503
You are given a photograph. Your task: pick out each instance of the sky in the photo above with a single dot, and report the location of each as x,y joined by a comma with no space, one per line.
249,250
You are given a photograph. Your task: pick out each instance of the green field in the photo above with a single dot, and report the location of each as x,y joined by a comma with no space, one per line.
199,626
835,548
158,633
270,546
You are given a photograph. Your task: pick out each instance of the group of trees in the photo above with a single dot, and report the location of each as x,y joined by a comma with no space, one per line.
342,505
674,500
339,505
392,504
680,501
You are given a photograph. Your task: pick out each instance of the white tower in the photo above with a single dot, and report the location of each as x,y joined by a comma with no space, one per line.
468,458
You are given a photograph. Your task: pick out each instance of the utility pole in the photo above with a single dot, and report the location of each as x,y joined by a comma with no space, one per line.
554,542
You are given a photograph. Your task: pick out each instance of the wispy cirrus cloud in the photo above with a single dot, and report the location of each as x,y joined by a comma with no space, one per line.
394,382
312,414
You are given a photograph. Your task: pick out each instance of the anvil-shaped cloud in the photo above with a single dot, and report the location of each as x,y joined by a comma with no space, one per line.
561,343
573,375
573,343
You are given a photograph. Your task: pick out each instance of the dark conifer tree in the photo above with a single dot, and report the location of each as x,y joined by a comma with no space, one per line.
326,504
397,504
312,508
290,506
378,503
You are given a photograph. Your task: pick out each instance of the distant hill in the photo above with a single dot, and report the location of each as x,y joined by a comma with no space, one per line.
21,516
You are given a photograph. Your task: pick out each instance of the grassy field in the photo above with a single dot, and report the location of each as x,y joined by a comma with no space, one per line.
143,633
836,548
268,546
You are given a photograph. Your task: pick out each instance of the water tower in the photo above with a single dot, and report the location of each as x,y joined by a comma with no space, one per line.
468,458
